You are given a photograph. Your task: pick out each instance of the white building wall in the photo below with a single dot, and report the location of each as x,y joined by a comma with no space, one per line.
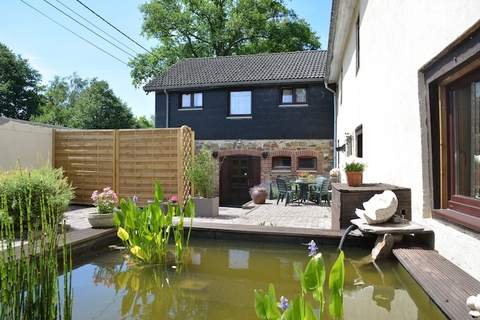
26,144
387,98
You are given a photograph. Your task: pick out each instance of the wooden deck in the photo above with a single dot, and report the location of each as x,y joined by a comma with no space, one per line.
446,284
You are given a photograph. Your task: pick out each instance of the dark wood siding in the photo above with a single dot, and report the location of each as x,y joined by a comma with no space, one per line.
269,121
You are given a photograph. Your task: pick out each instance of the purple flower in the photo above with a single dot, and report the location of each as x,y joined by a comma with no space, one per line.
312,248
283,303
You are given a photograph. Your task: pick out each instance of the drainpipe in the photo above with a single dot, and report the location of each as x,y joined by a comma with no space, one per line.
167,107
335,160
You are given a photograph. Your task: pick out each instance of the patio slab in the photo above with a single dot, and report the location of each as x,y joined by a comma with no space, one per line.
269,214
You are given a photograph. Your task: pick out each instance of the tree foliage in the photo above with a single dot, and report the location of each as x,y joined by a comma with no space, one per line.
202,28
87,104
19,86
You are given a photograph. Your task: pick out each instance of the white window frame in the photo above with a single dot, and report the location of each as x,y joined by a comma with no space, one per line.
191,97
240,114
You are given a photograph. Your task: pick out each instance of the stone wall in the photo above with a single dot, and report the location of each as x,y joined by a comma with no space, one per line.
322,150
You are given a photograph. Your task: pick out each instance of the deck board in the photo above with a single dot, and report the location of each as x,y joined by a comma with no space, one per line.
446,284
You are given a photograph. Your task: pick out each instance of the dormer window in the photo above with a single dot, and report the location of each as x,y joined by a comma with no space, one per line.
292,96
192,100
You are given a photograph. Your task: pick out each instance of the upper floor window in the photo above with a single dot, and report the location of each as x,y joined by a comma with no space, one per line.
280,163
192,100
357,42
307,163
240,103
359,141
294,95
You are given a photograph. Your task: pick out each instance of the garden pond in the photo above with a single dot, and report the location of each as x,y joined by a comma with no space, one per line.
219,278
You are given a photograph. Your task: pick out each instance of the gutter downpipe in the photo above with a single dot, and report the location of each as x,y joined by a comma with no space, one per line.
167,107
335,160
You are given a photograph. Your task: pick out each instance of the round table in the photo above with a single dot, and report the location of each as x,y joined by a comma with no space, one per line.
303,188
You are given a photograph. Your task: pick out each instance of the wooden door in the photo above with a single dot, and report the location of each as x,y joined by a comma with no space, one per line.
237,175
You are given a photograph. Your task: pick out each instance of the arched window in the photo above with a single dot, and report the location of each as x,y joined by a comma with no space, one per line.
307,163
281,163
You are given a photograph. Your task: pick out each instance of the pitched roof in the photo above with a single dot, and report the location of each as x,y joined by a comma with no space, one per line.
264,68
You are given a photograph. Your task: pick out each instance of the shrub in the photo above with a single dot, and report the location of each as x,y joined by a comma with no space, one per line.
354,167
34,185
201,174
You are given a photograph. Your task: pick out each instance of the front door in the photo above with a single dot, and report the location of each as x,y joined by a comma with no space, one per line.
237,175
464,143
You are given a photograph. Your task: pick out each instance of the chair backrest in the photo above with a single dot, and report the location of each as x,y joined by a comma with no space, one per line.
319,182
325,186
281,185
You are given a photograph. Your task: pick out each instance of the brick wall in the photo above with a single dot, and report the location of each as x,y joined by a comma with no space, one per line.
322,150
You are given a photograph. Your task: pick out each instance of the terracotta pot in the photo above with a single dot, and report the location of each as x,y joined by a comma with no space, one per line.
259,196
354,178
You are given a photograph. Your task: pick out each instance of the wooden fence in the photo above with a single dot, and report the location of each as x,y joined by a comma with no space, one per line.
129,161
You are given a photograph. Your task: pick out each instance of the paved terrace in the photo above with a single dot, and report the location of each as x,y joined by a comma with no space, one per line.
269,214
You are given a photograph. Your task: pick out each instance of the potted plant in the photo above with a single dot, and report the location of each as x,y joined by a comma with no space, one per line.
105,201
259,194
334,175
201,174
354,172
302,176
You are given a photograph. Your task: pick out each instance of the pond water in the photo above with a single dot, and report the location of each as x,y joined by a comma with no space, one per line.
219,280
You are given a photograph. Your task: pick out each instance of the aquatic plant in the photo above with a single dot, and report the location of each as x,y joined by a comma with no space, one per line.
312,281
30,265
147,231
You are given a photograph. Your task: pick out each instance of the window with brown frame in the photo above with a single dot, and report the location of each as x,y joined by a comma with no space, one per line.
294,96
281,163
307,163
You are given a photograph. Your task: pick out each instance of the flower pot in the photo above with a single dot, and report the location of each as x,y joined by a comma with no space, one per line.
258,196
99,221
354,178
206,207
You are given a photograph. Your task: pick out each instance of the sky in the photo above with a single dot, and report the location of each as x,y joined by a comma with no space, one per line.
54,51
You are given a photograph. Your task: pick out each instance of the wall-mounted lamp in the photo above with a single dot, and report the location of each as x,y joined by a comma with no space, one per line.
341,148
215,154
264,154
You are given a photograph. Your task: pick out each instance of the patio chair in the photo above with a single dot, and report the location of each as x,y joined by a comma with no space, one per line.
320,191
284,191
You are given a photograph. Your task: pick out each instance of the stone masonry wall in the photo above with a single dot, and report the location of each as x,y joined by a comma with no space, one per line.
322,150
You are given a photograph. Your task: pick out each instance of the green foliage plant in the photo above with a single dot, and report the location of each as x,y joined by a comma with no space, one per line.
149,233
202,172
43,182
29,272
354,167
312,281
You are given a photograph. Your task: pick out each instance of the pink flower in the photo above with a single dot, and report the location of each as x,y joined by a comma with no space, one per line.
174,198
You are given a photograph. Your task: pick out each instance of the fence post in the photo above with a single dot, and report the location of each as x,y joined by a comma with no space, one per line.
116,166
180,166
53,147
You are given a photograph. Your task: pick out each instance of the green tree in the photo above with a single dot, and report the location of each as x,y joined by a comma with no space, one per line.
87,104
142,122
20,86
202,28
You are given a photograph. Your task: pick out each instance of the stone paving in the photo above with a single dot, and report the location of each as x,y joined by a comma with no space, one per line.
269,214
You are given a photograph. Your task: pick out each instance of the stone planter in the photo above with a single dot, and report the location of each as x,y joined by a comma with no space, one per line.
354,178
259,196
100,221
206,207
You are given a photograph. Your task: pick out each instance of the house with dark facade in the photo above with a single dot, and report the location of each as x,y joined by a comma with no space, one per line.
261,115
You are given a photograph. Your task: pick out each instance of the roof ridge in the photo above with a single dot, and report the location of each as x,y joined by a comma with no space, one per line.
255,54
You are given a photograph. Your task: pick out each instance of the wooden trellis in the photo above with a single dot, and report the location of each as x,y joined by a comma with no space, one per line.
129,161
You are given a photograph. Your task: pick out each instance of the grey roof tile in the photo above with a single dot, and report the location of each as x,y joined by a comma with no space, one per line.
242,69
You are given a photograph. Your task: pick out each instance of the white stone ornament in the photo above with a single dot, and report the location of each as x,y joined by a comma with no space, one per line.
380,208
473,303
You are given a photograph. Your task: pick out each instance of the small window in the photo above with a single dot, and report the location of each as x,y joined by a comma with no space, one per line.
280,163
307,163
359,141
294,95
192,100
357,53
240,103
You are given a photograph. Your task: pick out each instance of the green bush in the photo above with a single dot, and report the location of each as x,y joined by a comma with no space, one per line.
202,172
21,187
354,167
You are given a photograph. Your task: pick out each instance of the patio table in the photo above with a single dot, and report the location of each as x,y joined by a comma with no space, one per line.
303,188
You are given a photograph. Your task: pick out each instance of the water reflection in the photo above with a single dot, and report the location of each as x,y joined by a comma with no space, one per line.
219,279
